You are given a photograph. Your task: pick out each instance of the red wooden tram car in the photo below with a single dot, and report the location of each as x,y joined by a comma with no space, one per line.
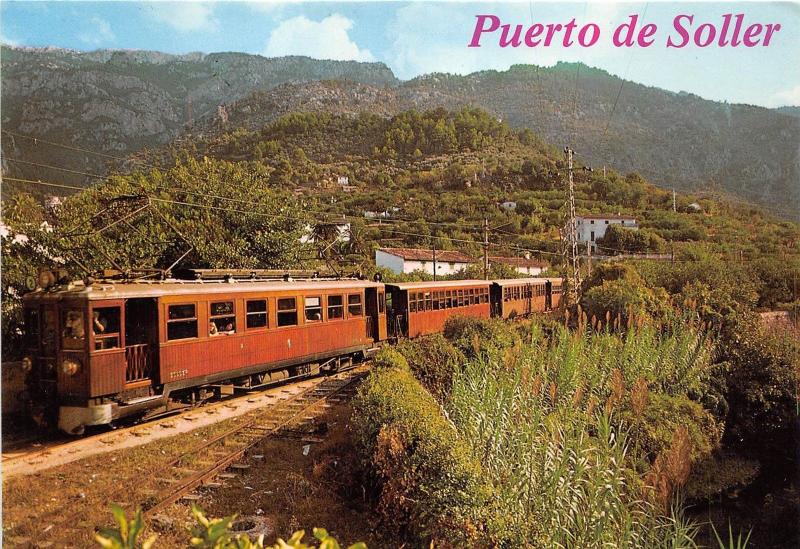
110,350
420,308
523,296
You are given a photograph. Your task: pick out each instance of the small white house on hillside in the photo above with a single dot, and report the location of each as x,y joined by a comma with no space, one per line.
407,260
592,228
523,265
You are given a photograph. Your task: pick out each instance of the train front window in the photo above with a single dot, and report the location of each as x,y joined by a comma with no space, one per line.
222,320
287,311
31,327
105,328
354,305
181,322
335,307
313,309
257,314
73,329
49,331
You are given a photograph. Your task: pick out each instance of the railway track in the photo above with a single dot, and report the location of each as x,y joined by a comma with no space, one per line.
201,465
34,454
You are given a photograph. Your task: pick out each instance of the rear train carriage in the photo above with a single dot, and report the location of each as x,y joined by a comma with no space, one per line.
111,350
420,308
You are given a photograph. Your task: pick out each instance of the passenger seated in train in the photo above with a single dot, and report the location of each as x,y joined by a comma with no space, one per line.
99,323
212,329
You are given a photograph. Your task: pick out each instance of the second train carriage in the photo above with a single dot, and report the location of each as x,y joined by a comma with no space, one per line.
523,296
108,350
420,308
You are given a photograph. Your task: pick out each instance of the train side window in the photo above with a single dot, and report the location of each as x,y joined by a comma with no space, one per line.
287,311
442,304
74,331
381,303
181,322
335,307
354,305
412,302
428,301
105,328
257,314
435,301
222,319
313,309
49,331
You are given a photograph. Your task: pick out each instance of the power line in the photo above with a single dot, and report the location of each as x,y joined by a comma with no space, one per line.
207,195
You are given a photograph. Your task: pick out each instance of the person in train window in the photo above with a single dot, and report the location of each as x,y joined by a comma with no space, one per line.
229,329
99,323
212,329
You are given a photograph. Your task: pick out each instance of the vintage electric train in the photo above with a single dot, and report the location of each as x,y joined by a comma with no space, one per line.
106,350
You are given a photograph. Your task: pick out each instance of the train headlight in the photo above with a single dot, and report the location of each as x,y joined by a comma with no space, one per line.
27,364
70,366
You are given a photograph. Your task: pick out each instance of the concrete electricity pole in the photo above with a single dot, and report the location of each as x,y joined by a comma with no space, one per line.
572,232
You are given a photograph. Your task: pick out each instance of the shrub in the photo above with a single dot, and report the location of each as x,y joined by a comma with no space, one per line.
654,427
433,359
478,336
427,484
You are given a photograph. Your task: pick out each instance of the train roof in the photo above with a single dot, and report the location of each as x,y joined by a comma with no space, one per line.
439,284
520,281
124,290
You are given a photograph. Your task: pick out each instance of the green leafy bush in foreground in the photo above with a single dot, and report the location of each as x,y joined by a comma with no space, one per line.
426,483
205,534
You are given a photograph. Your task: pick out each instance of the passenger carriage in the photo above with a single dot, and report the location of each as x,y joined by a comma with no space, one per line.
108,350
522,296
420,308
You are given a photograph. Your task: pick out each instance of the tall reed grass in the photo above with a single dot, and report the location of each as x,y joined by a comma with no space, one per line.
545,421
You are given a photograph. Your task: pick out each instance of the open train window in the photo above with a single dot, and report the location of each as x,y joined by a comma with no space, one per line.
313,309
105,328
412,302
181,322
335,307
287,311
257,314
428,301
435,301
73,329
222,320
354,305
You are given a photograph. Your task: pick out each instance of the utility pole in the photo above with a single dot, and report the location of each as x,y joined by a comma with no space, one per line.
572,232
589,256
674,202
486,248
434,261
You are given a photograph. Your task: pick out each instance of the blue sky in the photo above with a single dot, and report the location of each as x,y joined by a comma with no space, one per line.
419,37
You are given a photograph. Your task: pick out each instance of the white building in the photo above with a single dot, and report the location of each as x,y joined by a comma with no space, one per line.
508,206
407,260
592,228
523,265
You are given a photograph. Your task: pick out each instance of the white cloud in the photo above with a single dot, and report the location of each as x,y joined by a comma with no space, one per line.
8,41
790,97
100,33
184,16
326,39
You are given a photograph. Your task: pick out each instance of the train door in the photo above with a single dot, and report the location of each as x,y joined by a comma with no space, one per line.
548,296
375,299
141,340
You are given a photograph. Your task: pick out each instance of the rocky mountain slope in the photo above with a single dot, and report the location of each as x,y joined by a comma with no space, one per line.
121,102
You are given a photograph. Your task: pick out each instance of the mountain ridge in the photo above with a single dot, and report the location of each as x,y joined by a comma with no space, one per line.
123,101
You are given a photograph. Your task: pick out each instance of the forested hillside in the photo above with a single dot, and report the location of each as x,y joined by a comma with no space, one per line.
135,100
